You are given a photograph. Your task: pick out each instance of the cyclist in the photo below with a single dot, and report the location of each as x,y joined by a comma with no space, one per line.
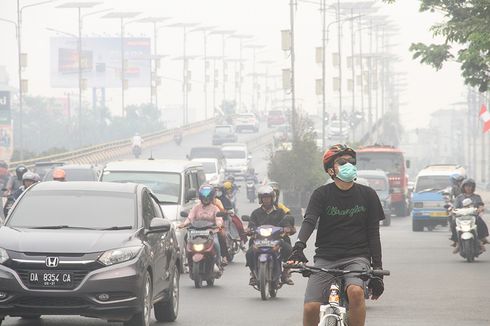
347,238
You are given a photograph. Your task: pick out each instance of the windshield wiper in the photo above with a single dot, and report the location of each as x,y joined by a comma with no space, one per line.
126,227
56,227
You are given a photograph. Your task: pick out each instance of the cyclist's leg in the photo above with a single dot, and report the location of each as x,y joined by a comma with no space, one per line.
355,292
316,293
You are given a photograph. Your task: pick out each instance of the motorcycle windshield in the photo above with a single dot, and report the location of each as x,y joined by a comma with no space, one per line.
202,224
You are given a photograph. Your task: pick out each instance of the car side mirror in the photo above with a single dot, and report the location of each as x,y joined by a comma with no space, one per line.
184,214
408,164
191,194
245,218
158,225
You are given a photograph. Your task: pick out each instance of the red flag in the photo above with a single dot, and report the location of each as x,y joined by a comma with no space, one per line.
485,117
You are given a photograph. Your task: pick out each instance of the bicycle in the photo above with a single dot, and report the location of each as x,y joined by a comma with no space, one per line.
334,311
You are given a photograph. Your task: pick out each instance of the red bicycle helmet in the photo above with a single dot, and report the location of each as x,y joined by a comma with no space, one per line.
335,151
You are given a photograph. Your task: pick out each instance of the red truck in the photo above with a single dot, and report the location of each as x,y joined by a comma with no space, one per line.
389,159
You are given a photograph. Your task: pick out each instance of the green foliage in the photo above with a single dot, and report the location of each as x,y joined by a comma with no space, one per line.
466,24
299,169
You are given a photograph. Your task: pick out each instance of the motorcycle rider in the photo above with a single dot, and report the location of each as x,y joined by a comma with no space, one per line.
16,181
348,216
230,190
206,210
268,214
468,191
29,178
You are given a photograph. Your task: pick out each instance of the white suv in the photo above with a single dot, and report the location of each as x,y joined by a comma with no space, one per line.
246,121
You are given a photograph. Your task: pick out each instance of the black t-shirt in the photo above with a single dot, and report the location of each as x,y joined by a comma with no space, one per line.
261,217
348,224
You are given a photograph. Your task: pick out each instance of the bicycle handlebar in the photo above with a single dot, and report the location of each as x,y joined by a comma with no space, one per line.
336,272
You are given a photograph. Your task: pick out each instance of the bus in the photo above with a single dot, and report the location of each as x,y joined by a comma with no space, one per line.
390,160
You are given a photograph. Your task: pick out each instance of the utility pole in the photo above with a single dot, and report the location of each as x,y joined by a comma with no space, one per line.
293,94
353,71
324,75
339,41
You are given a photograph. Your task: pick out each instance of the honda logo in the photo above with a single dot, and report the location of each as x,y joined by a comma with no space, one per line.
52,262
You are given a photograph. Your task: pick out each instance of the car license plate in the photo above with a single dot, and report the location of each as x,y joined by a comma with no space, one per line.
51,279
438,214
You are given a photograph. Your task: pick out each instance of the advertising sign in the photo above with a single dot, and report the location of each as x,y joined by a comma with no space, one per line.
101,62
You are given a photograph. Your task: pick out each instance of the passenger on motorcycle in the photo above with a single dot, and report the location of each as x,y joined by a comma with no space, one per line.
268,214
230,190
277,190
348,216
206,210
456,179
468,191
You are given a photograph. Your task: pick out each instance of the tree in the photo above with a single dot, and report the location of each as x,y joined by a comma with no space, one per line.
299,170
466,25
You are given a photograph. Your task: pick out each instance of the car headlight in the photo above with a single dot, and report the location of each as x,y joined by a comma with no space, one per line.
265,232
120,255
4,256
198,247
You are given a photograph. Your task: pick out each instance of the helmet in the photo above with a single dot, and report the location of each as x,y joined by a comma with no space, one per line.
335,151
228,185
59,174
230,178
31,176
468,182
456,177
206,194
3,164
20,170
275,187
265,191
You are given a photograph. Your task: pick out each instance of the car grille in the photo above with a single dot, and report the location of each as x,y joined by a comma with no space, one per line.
54,302
78,277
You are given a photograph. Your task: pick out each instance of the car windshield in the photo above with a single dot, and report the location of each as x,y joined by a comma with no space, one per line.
74,208
74,175
388,162
378,184
165,185
432,183
222,130
209,167
205,152
233,154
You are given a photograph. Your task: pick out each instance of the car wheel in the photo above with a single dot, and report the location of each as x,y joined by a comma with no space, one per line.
142,318
169,310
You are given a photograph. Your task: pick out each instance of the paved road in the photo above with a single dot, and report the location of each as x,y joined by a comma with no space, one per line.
429,286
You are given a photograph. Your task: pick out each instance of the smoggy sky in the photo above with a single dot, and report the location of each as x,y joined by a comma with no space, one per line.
425,90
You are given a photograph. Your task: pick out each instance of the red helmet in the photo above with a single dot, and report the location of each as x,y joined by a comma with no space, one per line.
335,151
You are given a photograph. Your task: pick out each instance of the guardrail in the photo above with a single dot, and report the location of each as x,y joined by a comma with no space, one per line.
108,151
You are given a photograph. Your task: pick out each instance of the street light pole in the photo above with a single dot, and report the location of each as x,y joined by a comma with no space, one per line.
293,93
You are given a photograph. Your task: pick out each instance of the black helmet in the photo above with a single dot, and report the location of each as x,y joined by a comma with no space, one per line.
20,170
468,182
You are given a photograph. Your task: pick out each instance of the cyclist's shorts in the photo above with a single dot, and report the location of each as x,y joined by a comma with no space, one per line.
319,283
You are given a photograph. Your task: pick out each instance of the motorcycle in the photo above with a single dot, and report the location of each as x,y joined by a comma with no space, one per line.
201,253
178,138
251,191
268,266
136,151
233,240
466,229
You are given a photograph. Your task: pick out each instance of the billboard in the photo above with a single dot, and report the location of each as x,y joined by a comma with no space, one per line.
101,62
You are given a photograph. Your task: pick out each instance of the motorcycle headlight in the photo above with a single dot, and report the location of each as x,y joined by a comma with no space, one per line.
265,232
198,247
120,255
4,256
